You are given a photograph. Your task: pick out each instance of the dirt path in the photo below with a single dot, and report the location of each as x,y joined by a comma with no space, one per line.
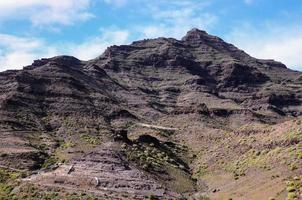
157,127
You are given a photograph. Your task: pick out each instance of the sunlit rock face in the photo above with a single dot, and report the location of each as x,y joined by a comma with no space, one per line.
141,119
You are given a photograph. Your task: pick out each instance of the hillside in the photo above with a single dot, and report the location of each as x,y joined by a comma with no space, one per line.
159,119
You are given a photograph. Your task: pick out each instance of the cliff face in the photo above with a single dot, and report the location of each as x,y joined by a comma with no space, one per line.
179,96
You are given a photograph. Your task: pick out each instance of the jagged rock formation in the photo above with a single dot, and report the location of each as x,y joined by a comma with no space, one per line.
61,109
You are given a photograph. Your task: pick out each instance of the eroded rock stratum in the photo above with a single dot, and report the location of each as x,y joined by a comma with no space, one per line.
162,118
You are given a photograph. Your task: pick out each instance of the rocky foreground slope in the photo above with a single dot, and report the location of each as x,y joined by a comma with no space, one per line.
195,118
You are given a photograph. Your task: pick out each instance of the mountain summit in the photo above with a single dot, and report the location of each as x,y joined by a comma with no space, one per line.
159,118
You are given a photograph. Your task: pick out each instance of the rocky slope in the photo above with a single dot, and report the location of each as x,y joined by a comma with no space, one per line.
159,118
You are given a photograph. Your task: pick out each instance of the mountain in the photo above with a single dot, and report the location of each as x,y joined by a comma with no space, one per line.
195,118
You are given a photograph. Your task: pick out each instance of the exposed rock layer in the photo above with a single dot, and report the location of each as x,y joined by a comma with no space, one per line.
199,81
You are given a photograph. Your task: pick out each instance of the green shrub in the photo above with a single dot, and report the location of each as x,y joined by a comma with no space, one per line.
291,196
204,198
91,139
293,167
67,144
202,170
50,161
291,189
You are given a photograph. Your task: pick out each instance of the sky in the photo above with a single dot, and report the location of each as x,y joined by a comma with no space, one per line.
33,29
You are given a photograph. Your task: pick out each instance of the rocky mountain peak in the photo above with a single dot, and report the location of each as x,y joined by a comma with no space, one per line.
62,61
197,35
157,116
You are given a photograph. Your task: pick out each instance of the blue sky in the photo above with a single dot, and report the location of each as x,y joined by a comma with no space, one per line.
31,29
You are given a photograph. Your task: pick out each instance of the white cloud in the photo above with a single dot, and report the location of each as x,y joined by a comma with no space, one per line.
95,46
13,42
282,43
271,42
177,19
16,52
153,31
21,51
46,12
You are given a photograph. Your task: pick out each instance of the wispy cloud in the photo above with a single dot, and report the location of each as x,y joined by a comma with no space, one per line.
46,12
282,43
93,47
16,52
147,19
174,21
177,18
21,51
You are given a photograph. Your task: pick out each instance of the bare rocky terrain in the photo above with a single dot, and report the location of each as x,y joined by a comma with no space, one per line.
195,118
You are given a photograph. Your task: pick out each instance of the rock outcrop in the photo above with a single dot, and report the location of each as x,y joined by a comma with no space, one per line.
62,109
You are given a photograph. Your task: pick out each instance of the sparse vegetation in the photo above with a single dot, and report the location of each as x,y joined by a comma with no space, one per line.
152,158
293,167
284,148
294,188
202,170
149,158
203,119
94,140
151,197
50,161
204,198
67,144
7,183
30,192
166,133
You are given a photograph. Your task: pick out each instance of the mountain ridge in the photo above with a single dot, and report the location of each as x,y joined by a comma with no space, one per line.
171,116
